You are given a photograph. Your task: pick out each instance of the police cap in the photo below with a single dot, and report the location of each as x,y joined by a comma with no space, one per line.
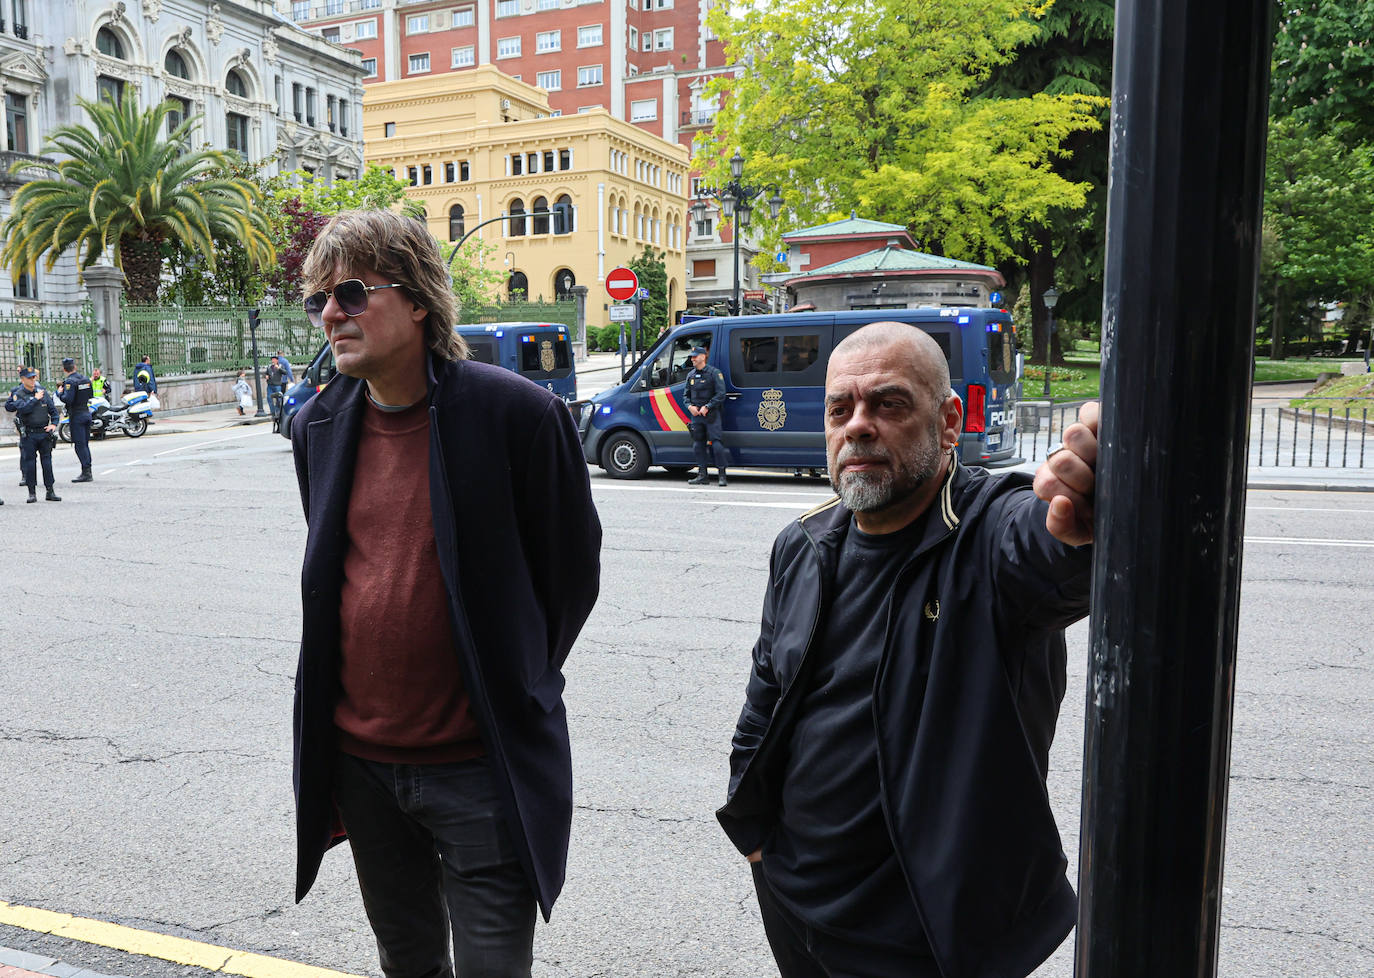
68,363
27,373
699,351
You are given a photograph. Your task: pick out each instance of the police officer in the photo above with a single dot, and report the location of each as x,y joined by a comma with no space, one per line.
36,414
75,392
705,394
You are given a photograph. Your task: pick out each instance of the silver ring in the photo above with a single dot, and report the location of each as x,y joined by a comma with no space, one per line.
1055,451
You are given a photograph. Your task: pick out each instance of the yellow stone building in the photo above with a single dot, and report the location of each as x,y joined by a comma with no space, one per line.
582,193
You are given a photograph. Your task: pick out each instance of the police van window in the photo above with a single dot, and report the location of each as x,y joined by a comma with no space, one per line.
481,349
673,362
1001,356
793,359
544,355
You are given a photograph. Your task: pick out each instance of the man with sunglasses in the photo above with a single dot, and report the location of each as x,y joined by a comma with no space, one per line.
451,559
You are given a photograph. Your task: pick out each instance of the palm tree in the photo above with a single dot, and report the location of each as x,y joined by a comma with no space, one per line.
124,186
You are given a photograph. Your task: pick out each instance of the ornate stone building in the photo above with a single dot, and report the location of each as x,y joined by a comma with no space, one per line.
261,86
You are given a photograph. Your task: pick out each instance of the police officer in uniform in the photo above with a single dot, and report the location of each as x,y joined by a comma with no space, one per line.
36,414
705,394
76,393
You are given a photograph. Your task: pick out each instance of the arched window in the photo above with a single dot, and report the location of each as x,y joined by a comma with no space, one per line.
176,65
517,218
563,282
614,216
234,85
540,209
107,42
517,286
563,216
455,222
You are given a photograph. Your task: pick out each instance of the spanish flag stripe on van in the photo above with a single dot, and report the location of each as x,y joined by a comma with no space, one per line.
669,413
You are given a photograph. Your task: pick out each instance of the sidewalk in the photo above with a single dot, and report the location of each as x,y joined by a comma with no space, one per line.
164,423
22,964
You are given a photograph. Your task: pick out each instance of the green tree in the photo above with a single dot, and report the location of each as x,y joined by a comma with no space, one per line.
1318,242
377,188
1069,53
474,283
874,108
1323,71
652,271
126,187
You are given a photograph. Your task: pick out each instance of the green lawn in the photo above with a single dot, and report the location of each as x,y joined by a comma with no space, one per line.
1355,393
1081,377
1296,368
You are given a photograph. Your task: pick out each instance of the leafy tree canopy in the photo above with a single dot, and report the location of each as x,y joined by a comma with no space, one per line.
876,108
652,271
1324,64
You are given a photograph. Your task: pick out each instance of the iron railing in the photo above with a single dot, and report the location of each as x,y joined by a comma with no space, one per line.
42,341
524,311
1338,436
183,340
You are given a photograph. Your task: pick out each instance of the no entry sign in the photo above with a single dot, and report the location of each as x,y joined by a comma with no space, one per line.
622,283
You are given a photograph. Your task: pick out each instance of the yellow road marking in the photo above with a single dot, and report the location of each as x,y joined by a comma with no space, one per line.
175,949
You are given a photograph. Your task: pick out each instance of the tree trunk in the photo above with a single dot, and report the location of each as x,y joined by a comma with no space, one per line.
1040,277
1279,323
141,261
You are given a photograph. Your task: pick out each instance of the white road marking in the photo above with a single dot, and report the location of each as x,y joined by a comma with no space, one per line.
819,494
1301,509
217,441
1310,542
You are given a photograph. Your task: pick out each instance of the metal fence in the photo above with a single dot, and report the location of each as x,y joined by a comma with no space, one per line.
524,311
43,341
1330,437
211,339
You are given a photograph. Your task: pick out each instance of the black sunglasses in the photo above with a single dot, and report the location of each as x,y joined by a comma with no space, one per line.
351,295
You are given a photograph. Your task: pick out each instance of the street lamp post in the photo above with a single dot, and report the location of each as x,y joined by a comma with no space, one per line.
735,198
1051,299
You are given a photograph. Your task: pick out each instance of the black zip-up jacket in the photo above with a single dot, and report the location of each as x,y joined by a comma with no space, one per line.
964,708
519,548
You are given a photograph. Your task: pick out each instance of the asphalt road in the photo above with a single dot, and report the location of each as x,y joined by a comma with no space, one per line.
148,656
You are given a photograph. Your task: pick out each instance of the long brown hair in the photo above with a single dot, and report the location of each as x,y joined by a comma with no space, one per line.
398,248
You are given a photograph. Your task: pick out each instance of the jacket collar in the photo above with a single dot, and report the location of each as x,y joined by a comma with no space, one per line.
828,523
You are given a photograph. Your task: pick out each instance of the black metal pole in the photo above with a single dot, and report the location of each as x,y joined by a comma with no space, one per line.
738,309
1049,351
1190,94
257,378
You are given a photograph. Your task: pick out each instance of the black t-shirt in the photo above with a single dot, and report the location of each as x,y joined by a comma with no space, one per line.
831,859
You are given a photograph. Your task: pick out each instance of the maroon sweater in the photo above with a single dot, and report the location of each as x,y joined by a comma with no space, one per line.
403,700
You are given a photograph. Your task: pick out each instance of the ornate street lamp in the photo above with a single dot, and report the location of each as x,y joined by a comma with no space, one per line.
1051,299
735,204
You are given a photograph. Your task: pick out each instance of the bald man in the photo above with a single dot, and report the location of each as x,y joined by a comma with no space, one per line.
887,782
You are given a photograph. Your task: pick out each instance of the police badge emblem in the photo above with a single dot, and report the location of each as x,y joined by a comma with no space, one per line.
546,358
772,410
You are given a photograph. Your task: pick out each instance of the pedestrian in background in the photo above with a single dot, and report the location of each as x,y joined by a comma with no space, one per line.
285,367
275,385
243,394
451,559
144,378
887,782
37,415
75,392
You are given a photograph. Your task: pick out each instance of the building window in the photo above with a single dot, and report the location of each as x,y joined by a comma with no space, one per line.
663,40
565,159
417,24
109,88
180,112
279,90
563,282
549,81
455,221
464,57
298,100
332,8
532,163
589,37
516,224
508,47
644,110
548,41
365,30
517,165
546,5
330,34
389,129
563,215
413,175
450,172
233,84
427,175
548,160
634,39
16,122
704,268
507,8
518,285
369,4
419,63
463,17
25,288
176,65
704,228
343,117
539,209
107,42
464,172
588,76
369,67
329,112
237,126
309,106
300,10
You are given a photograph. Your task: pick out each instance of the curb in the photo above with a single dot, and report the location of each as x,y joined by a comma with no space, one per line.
1310,487
20,964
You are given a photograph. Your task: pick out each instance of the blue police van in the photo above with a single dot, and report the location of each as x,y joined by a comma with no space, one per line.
539,351
774,366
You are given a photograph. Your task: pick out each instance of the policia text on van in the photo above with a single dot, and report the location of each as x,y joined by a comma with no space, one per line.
774,369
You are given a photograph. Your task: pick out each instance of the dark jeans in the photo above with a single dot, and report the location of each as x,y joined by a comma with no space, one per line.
274,398
801,951
434,857
81,442
33,447
702,429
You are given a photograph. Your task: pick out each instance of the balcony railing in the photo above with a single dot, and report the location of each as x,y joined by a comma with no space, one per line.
22,174
690,118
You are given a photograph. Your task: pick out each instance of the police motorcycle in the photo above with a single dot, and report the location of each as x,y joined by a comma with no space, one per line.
132,417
